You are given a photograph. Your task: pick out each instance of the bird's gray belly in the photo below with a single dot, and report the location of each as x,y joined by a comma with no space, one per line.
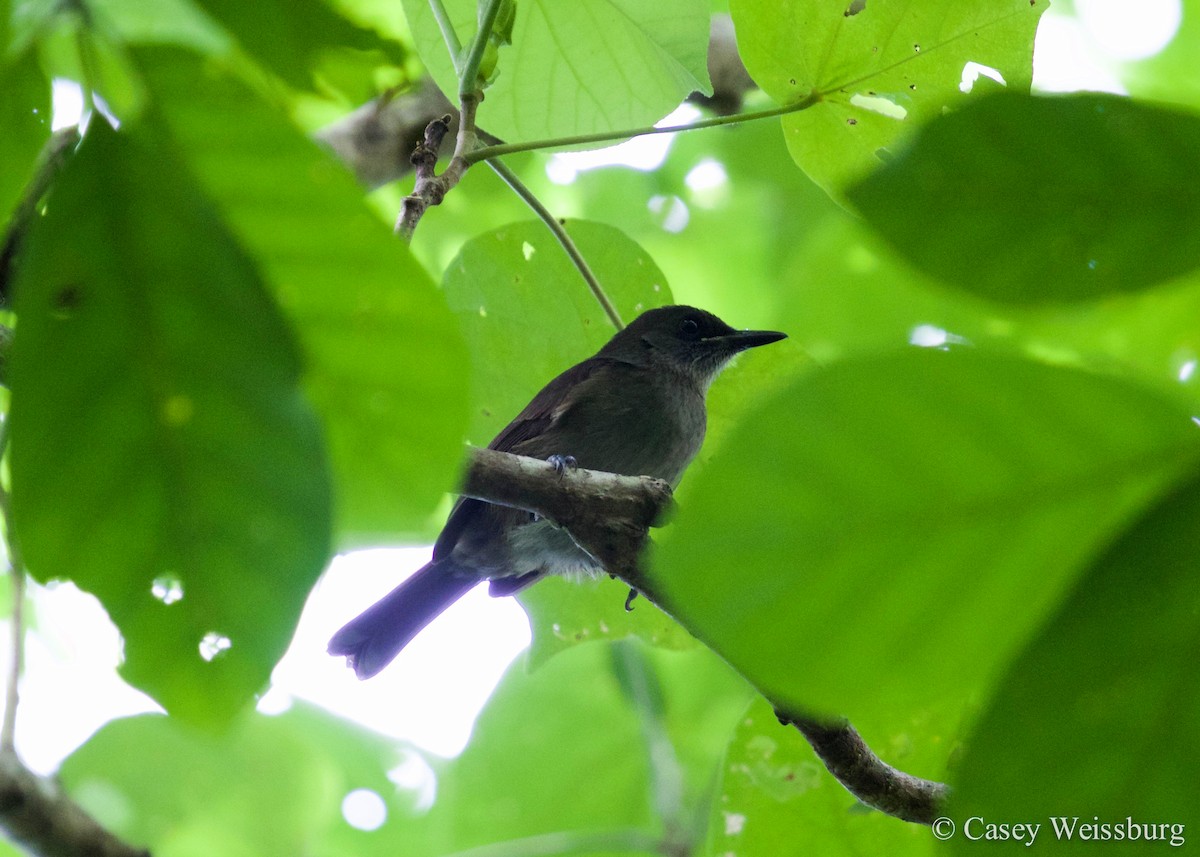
542,545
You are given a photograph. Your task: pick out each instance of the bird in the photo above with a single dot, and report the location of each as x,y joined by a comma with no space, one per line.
636,408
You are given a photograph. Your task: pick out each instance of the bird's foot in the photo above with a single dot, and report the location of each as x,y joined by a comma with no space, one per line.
633,593
562,463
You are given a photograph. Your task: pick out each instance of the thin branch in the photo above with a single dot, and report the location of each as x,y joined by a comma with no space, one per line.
641,686
449,36
488,152
375,140
8,729
467,86
608,516
559,231
430,188
39,816
567,843
50,161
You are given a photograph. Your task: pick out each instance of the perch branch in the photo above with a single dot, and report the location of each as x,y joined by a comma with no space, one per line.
609,516
874,782
38,815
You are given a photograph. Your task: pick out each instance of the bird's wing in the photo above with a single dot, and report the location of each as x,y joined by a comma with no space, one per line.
539,415
546,407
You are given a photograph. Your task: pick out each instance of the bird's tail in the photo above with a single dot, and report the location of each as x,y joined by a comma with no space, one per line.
373,639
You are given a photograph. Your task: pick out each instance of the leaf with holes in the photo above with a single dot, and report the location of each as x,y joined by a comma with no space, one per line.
877,68
163,457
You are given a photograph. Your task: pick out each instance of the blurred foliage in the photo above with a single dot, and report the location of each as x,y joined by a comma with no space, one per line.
997,218
984,556
143,324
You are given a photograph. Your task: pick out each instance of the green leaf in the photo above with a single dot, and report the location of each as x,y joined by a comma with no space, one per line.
268,786
568,728
25,118
565,613
528,315
1100,716
581,67
160,443
1044,199
290,36
385,359
878,72
884,533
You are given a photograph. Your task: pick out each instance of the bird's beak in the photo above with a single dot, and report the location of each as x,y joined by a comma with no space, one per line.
743,339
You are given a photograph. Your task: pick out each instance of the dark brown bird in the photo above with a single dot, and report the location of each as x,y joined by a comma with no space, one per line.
635,408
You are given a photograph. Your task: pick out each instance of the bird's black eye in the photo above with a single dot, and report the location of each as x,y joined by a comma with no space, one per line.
689,328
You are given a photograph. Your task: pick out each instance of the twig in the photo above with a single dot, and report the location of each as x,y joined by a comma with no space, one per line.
608,516
559,231
449,36
376,139
641,686
485,153
562,844
38,815
8,729
468,87
874,782
50,162
430,188
12,696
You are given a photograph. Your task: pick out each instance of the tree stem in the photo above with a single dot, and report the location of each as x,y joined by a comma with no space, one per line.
486,153
560,233
467,85
449,36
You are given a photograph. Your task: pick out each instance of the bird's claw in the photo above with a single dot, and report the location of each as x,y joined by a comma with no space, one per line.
562,463
633,593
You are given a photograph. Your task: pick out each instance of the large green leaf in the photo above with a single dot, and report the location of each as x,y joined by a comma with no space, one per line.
878,71
580,67
1099,718
569,730
1044,199
883,534
386,365
268,786
163,456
